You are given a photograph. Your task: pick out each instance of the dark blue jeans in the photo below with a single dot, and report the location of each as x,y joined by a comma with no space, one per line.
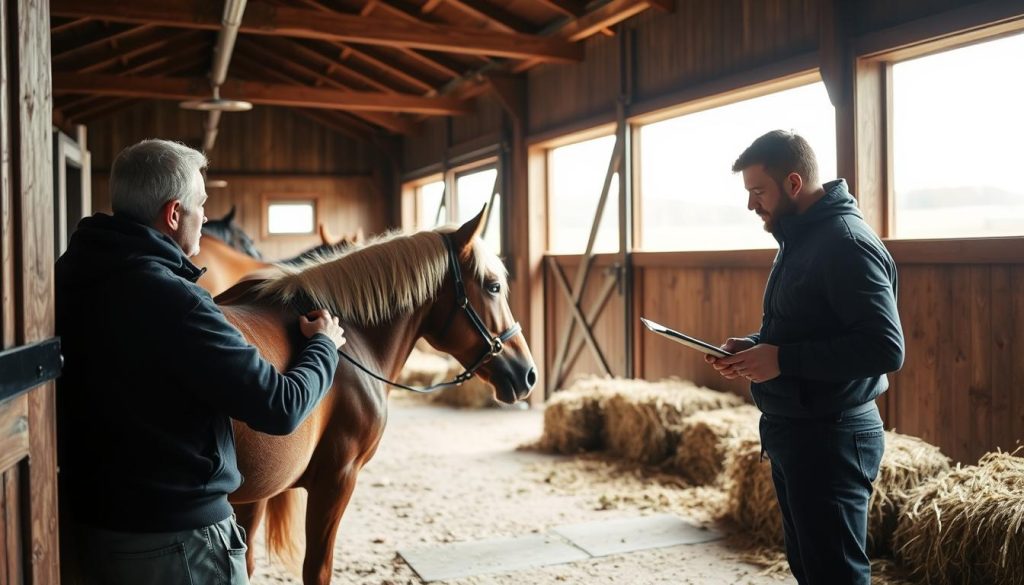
822,470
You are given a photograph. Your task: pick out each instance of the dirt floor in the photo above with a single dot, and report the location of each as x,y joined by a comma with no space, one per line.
443,475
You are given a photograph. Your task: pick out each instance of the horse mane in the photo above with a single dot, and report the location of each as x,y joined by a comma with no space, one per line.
373,283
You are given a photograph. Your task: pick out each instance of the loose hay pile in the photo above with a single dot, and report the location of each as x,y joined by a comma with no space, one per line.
907,462
574,418
641,421
967,526
704,438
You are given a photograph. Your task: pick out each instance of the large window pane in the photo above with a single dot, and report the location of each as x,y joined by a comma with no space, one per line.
958,119
689,197
576,175
473,191
428,205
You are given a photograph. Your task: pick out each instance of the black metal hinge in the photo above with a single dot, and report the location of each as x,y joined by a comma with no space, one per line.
27,366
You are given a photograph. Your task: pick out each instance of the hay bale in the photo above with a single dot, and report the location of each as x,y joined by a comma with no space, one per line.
704,439
574,418
641,419
967,525
748,481
907,462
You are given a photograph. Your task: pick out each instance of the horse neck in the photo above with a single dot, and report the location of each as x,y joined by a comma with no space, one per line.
392,342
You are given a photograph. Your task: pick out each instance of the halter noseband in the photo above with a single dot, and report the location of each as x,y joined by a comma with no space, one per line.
495,343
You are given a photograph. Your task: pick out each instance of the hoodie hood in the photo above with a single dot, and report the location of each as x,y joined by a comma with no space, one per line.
836,201
104,245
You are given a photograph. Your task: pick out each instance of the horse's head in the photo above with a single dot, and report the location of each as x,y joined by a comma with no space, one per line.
225,230
471,319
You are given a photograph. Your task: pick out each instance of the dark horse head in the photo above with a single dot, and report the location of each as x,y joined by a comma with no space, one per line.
225,230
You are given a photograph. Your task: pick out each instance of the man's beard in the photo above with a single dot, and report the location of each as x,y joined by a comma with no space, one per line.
785,208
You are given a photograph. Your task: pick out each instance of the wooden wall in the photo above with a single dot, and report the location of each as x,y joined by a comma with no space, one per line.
265,152
962,384
962,387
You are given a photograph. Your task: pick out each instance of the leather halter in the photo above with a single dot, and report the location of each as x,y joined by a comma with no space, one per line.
495,343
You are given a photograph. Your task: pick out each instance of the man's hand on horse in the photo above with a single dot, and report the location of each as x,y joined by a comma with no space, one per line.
757,363
321,321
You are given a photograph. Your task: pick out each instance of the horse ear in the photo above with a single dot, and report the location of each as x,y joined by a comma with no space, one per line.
230,216
325,235
463,237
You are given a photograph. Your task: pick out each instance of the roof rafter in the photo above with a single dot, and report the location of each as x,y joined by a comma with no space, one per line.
258,93
388,121
264,19
102,42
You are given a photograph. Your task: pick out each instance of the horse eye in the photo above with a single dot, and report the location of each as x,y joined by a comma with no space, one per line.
494,288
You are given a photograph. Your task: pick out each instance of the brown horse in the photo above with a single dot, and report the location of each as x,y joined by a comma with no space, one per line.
226,265
388,293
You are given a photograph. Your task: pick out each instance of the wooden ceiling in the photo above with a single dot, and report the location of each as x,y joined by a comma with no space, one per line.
362,67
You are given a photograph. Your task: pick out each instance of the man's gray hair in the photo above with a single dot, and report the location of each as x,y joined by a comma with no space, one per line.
147,175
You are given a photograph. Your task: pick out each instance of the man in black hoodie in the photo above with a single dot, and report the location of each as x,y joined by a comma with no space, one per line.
829,334
153,375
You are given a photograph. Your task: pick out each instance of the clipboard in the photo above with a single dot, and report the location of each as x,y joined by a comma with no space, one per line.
701,346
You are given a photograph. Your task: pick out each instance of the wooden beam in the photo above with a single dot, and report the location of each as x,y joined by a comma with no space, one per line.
499,17
573,8
296,49
124,56
382,64
445,67
607,15
388,121
349,123
73,23
264,19
178,62
595,21
172,88
99,43
429,6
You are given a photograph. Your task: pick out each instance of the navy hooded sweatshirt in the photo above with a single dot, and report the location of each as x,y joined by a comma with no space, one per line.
830,307
153,375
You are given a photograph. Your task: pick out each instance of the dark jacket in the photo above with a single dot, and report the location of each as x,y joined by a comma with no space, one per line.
152,373
830,306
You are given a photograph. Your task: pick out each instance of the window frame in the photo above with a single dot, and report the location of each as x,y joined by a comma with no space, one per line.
879,64
712,101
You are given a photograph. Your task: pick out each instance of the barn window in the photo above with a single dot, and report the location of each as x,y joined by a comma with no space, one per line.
291,217
689,198
473,190
956,128
576,174
430,207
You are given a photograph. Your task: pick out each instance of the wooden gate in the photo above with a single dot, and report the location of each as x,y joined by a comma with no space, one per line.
30,357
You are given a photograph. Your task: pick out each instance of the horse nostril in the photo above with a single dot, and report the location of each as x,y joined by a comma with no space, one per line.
531,377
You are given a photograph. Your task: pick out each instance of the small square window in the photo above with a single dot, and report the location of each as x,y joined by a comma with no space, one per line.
291,217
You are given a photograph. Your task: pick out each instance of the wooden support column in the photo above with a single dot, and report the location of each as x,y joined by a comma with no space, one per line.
859,91
526,236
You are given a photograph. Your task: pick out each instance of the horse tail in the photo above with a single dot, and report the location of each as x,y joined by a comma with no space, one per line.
280,540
